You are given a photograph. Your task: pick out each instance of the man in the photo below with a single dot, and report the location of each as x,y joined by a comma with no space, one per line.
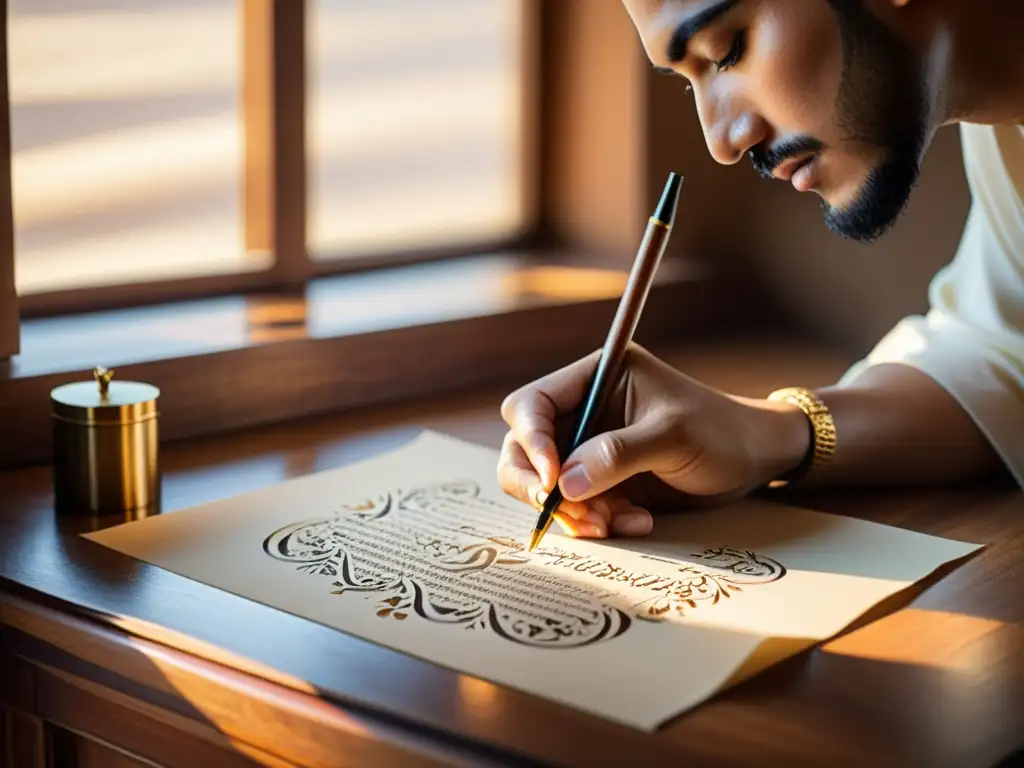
841,98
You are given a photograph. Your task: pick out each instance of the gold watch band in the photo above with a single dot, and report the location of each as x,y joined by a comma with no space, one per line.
823,431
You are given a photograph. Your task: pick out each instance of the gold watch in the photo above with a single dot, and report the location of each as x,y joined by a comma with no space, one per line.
823,431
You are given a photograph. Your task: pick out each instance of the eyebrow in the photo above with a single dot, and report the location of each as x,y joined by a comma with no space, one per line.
690,27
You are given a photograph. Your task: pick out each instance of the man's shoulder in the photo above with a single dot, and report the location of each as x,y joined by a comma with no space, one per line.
993,142
994,160
1009,130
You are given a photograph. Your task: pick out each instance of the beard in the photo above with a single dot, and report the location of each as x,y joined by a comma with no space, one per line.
880,105
881,108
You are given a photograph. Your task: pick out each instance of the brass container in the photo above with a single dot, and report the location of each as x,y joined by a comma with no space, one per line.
106,447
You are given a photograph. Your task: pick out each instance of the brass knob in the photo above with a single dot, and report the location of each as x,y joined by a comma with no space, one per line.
103,377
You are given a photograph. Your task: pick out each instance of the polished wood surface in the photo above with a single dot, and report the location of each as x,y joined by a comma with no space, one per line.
939,681
351,341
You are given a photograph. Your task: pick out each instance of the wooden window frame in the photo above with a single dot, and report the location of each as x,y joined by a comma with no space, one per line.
275,100
602,134
10,337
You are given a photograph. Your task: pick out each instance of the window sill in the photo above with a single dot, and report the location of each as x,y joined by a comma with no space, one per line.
239,361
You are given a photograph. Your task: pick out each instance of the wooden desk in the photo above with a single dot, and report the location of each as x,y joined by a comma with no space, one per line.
108,662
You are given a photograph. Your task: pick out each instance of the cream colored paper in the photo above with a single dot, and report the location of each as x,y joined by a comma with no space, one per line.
419,550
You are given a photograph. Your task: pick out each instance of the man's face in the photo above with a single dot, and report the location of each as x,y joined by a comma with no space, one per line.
817,92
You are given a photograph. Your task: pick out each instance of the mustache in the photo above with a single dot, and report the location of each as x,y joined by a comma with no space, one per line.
766,159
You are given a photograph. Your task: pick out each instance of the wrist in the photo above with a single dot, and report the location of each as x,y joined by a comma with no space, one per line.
784,439
821,426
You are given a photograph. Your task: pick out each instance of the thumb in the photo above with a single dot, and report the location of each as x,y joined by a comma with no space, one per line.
610,458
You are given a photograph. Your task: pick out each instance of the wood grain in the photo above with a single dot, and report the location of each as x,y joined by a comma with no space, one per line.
937,682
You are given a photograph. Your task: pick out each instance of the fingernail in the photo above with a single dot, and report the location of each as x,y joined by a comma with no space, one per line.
633,524
539,497
575,482
590,531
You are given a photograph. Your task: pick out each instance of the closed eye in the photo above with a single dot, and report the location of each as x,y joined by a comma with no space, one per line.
735,53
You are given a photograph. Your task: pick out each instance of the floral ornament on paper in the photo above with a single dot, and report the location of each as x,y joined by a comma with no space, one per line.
417,568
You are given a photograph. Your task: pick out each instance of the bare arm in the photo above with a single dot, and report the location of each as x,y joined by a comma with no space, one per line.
896,426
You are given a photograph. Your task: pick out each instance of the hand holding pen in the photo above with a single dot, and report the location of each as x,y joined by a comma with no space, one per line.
604,441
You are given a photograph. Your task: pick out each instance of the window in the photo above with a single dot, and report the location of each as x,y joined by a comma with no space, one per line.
416,134
129,134
126,141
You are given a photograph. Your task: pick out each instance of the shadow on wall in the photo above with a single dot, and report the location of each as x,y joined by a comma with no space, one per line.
841,293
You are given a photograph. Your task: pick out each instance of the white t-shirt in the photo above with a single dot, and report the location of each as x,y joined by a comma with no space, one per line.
972,340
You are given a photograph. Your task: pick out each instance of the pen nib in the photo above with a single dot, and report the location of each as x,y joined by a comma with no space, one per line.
535,538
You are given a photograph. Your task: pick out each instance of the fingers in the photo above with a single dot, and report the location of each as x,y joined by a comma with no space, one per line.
519,480
602,516
632,521
535,433
593,519
531,411
516,474
530,465
585,519
611,458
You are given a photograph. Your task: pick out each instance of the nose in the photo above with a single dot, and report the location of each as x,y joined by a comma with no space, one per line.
731,127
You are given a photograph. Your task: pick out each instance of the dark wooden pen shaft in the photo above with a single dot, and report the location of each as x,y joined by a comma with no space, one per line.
627,317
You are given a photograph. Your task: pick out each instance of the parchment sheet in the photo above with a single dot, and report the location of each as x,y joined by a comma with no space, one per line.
420,551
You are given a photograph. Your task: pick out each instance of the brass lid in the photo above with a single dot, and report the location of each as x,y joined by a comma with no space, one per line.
105,401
